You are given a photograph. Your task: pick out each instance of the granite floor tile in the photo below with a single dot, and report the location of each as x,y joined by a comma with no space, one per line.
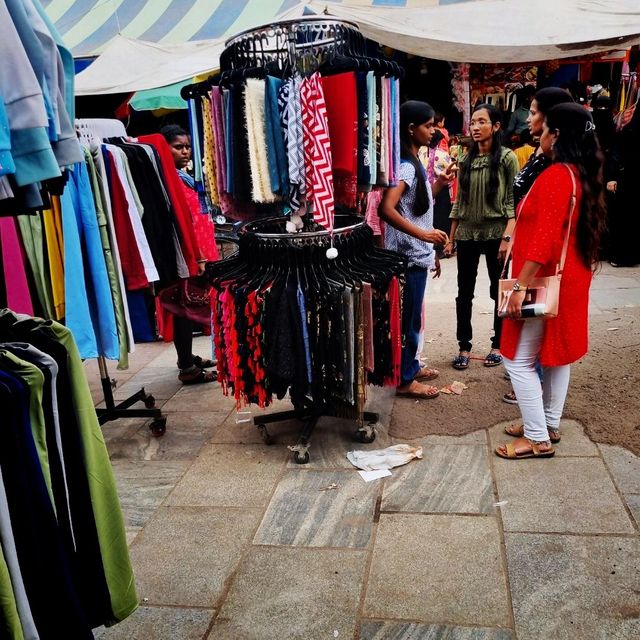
320,509
332,439
143,486
371,630
165,354
476,437
624,466
173,445
240,429
162,384
185,554
122,428
568,587
230,476
574,442
633,502
159,623
293,594
438,569
450,479
565,495
200,397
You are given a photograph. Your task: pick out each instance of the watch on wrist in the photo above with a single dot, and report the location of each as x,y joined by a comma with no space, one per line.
519,287
506,238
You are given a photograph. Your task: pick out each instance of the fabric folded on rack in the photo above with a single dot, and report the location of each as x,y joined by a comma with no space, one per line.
278,167
18,297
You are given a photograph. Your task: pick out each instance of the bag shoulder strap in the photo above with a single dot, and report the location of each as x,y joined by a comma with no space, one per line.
565,246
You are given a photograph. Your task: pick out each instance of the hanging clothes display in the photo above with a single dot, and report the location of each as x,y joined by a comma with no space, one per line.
64,549
296,133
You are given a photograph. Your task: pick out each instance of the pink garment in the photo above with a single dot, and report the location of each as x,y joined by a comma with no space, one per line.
389,127
317,151
374,198
15,275
218,136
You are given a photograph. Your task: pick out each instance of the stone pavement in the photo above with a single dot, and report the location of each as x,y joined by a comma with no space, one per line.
231,540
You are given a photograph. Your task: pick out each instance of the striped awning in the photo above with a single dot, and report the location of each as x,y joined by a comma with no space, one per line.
88,26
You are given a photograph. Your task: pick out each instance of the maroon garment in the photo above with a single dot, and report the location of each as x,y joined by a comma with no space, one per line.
132,266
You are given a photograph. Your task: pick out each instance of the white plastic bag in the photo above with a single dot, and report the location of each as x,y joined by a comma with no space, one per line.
394,456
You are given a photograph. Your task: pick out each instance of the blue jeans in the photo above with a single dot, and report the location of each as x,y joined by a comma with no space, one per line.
412,299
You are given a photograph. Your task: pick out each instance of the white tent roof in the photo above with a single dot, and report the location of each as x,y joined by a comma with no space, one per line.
507,31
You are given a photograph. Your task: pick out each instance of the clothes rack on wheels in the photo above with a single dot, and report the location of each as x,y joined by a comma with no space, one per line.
89,130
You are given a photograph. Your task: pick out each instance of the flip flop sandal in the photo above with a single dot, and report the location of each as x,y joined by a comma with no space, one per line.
203,363
510,398
460,362
428,394
493,360
427,374
534,452
518,432
198,377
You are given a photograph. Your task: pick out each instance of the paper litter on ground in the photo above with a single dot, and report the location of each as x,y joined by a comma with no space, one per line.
368,476
393,456
455,387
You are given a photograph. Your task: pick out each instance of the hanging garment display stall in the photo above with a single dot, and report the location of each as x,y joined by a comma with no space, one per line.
297,132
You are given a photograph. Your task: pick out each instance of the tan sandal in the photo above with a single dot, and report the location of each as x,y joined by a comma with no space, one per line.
427,373
524,448
518,432
419,391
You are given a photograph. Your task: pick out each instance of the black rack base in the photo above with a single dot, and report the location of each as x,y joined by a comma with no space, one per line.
113,411
365,432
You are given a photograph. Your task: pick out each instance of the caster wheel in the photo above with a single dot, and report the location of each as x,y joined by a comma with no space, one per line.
150,402
301,459
264,434
158,427
366,435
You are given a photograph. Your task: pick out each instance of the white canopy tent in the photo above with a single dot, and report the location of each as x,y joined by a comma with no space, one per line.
489,31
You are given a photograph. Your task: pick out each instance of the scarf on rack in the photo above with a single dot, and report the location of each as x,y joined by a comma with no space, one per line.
317,151
254,104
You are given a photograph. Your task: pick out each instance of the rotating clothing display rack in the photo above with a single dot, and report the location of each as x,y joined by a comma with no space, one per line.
301,124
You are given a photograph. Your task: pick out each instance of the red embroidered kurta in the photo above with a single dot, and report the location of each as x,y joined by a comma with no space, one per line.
542,224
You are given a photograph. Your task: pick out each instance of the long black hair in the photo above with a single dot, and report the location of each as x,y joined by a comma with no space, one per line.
494,161
414,112
577,144
551,96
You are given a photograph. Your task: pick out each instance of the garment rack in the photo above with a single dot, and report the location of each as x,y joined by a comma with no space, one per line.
88,129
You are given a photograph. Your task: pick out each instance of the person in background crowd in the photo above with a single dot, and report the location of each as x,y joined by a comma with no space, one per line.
569,139
524,149
407,210
482,219
623,171
192,367
444,141
543,101
518,120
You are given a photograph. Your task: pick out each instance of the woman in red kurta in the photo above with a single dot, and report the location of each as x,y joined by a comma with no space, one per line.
569,139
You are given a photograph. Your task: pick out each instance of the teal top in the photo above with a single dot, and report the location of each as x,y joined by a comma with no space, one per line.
480,218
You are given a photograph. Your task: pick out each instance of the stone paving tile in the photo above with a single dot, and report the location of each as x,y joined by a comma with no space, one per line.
332,439
185,554
238,430
476,437
297,594
565,495
159,623
574,442
633,501
450,479
165,354
570,587
230,476
305,511
455,578
199,397
371,630
144,485
162,384
624,466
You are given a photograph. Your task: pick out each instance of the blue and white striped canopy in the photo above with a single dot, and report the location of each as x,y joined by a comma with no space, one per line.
87,26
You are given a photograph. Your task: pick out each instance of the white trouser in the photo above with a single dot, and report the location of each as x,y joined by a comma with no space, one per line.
541,410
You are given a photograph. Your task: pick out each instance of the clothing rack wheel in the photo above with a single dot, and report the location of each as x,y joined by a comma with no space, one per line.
113,411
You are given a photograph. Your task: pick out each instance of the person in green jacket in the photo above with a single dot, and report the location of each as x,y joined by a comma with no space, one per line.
482,219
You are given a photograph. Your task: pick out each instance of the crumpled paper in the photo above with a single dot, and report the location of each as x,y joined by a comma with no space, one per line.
394,456
455,387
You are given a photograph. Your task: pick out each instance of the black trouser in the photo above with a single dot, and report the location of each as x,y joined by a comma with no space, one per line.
469,252
183,341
